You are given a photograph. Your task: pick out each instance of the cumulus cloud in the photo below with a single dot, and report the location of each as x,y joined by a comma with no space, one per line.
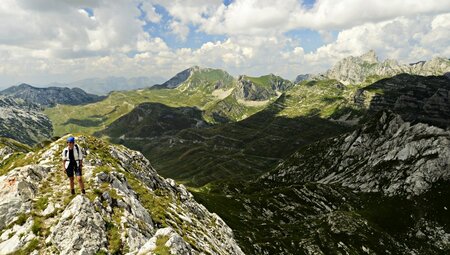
179,29
150,12
405,39
44,40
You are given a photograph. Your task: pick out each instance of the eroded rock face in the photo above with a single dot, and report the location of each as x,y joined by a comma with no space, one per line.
248,89
389,156
179,78
354,70
80,230
17,189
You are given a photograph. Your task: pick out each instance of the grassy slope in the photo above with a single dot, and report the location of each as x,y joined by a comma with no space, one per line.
242,149
261,81
13,144
325,98
196,91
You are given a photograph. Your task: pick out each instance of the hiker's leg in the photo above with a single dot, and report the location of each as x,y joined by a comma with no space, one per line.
71,183
80,182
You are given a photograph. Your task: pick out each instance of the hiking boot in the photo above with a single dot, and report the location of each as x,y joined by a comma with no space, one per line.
72,191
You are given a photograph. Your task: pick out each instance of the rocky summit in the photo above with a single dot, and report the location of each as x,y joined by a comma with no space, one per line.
128,207
23,121
354,70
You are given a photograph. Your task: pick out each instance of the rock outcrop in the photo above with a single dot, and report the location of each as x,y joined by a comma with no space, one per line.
23,121
260,88
79,215
128,208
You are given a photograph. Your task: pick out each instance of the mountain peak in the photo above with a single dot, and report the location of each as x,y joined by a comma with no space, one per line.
370,57
355,70
24,85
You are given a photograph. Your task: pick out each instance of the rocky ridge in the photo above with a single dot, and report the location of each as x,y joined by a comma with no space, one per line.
48,97
388,155
355,70
23,121
128,208
197,76
415,98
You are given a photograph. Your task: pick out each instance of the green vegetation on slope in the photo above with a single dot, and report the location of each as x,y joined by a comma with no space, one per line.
239,150
194,92
13,144
296,218
324,98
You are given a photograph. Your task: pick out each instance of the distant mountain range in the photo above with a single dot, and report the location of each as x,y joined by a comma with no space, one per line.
103,86
51,96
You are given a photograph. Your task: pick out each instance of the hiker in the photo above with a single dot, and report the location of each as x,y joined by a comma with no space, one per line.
73,163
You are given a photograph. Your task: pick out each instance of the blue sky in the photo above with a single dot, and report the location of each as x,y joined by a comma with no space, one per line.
64,41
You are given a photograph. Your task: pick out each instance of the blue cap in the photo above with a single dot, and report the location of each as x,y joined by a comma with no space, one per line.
71,139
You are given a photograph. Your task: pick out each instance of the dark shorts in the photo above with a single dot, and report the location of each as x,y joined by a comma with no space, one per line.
73,169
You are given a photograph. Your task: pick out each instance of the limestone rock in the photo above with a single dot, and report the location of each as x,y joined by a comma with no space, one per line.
174,243
80,230
354,70
389,156
17,188
15,238
261,88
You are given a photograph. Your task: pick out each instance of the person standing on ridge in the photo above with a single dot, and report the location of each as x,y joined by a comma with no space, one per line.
73,163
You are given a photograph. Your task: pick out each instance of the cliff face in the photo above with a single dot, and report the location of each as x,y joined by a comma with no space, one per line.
128,208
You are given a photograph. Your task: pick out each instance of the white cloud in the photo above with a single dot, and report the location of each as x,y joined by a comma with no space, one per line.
331,14
150,13
405,39
43,40
278,16
251,17
179,29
